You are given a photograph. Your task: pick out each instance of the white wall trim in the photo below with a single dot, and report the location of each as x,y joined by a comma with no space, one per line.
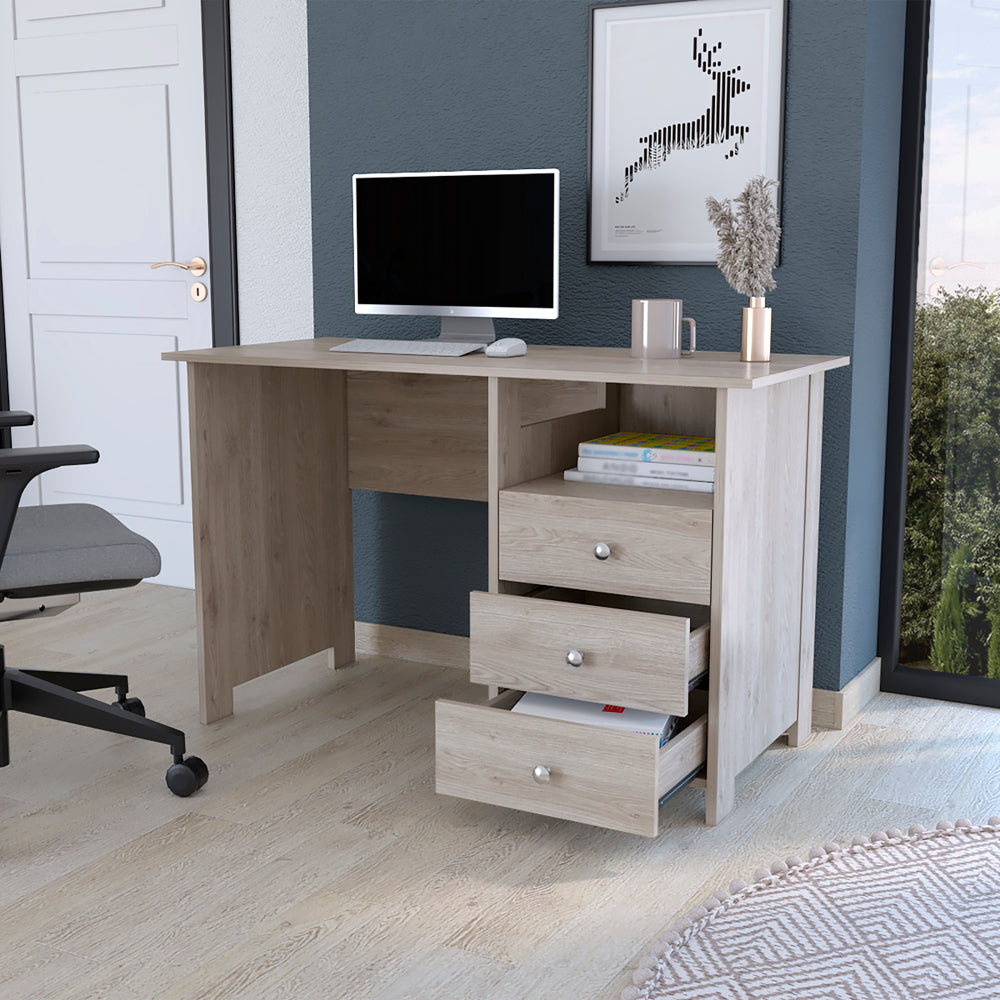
838,709
413,644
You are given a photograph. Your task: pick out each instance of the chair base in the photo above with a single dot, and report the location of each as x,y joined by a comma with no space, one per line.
55,694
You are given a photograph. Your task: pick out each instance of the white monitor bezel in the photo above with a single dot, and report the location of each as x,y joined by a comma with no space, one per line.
492,312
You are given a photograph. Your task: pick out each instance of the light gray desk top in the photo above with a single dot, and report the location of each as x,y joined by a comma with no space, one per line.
713,369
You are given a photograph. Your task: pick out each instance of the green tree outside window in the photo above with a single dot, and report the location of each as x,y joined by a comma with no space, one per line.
951,545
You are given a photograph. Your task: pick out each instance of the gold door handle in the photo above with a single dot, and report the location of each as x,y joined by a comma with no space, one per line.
197,266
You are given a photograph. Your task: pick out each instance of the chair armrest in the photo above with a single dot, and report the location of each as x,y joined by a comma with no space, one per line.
34,461
16,418
18,466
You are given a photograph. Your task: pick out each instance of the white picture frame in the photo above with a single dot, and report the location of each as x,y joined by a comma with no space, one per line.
686,101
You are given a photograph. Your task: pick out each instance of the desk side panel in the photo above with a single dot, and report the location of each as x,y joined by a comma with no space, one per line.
801,731
272,520
762,443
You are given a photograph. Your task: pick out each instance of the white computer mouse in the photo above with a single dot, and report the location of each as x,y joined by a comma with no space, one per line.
508,347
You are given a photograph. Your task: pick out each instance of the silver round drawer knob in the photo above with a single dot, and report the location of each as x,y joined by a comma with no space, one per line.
602,550
541,774
574,658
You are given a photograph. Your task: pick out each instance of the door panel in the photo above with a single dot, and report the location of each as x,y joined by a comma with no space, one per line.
96,50
36,16
141,462
110,203
165,299
102,175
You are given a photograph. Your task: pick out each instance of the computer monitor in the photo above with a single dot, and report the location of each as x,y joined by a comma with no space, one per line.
468,246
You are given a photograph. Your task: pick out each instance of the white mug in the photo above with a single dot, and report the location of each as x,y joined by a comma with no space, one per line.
656,328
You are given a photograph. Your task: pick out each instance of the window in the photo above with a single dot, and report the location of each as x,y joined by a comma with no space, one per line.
940,614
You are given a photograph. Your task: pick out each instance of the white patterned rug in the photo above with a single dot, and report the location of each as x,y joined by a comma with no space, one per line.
897,917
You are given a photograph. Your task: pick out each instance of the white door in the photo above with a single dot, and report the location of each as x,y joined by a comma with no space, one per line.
102,175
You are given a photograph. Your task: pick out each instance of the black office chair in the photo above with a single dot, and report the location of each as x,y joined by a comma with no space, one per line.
66,549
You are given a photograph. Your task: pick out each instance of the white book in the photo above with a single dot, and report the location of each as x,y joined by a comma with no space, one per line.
576,476
632,720
653,470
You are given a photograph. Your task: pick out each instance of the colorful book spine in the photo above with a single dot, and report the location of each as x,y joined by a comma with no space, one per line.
635,447
657,470
690,485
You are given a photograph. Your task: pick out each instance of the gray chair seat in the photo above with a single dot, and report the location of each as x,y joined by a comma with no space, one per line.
72,547
62,550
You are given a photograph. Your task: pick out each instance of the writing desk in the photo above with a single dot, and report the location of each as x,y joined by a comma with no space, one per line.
280,434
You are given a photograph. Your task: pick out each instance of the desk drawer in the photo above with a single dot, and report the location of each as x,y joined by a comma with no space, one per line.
598,776
657,547
631,658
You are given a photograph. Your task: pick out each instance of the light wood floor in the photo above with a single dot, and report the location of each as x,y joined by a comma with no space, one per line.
319,863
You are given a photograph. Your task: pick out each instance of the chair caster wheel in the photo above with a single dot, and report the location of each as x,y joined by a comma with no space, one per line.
187,777
132,705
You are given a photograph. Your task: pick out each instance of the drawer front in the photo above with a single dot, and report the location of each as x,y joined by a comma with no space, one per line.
596,776
661,552
630,658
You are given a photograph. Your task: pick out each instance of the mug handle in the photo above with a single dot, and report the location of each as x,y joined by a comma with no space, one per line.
691,329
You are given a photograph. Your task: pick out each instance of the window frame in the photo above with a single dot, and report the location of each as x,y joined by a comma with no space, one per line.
896,678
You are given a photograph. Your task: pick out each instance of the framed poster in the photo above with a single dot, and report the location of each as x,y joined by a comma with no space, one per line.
686,100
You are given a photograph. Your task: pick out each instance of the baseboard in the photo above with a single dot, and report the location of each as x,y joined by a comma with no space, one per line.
413,644
838,709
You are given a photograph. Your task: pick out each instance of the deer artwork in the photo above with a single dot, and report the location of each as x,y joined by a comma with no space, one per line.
714,127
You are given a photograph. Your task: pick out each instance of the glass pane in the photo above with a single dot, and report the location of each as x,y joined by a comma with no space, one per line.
951,559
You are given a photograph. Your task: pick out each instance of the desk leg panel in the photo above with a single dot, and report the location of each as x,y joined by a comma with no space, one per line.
272,522
759,529
802,729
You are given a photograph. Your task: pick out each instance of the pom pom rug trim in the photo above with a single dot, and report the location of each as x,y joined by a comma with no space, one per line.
893,916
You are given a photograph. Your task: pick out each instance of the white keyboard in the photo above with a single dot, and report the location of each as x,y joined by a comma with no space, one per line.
438,348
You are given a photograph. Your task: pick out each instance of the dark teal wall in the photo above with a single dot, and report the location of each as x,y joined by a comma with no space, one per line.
872,321
478,84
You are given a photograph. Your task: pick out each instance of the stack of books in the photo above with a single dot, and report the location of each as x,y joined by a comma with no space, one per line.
632,720
664,461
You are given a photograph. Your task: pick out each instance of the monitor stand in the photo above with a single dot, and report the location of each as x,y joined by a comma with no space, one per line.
471,329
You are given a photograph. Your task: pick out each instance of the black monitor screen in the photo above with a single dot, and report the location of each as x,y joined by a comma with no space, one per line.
480,241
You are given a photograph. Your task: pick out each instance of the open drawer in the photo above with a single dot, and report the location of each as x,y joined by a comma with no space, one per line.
589,774
610,539
633,658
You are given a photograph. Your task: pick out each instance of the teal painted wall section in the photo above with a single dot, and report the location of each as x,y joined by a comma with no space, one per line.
480,84
872,320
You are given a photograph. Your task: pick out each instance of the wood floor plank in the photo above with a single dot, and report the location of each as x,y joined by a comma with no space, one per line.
320,862
48,843
902,712
36,911
411,725
230,874
453,973
977,796
268,955
577,958
34,970
516,923
935,761
812,813
413,858
210,906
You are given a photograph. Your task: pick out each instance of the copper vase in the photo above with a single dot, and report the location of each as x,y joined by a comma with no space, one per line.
756,331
